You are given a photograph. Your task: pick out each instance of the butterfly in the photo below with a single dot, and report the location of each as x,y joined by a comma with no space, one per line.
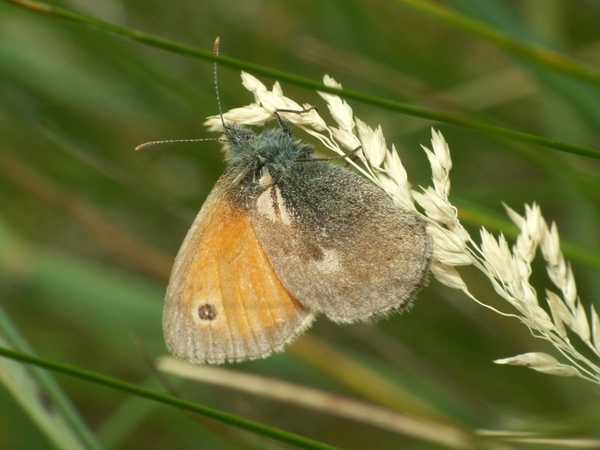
282,237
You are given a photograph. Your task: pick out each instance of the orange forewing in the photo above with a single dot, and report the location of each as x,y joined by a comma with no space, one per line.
225,301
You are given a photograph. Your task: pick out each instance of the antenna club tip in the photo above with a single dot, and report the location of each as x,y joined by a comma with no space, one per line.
216,45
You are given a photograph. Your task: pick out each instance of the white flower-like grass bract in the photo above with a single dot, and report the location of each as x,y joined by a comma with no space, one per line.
507,268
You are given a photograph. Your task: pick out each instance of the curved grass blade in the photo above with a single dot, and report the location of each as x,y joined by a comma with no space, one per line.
41,397
460,121
113,383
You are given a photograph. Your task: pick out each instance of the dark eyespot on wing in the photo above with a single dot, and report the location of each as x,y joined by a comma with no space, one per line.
207,312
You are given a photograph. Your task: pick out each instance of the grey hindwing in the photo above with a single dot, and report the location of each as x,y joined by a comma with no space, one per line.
346,249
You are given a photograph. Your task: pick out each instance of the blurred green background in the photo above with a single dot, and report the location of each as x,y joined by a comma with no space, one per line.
89,228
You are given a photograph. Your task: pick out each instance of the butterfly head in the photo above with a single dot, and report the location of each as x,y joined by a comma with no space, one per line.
273,150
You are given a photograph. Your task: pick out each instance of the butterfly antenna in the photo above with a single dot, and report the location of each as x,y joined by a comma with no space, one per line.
178,141
216,80
170,141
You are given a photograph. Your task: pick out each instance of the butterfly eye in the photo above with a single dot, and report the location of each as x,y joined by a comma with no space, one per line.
237,135
247,134
244,134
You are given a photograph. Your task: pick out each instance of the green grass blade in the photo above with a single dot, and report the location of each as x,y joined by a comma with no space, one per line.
542,56
41,397
460,121
220,416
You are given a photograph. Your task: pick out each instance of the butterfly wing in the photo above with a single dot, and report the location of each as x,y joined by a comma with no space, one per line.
339,244
224,301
